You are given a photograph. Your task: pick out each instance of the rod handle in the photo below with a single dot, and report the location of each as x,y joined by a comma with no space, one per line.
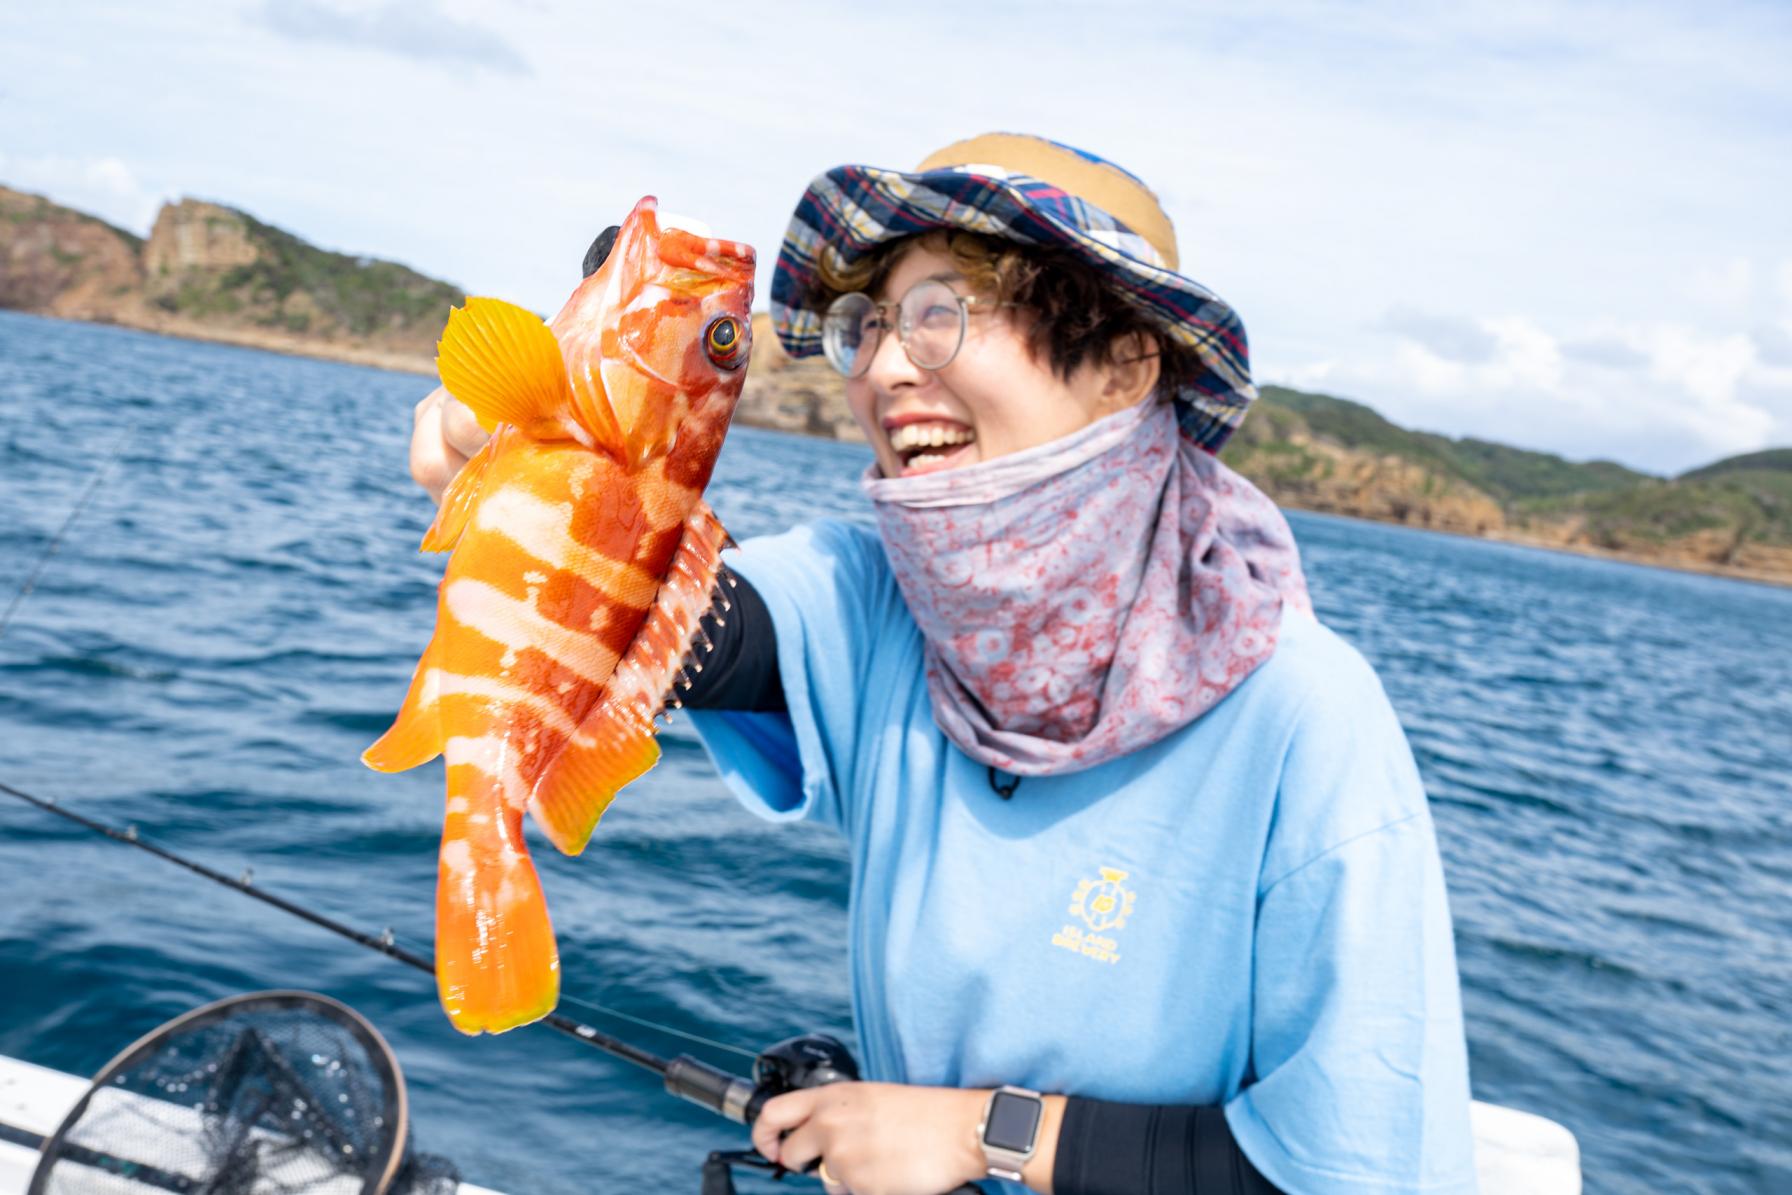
705,1085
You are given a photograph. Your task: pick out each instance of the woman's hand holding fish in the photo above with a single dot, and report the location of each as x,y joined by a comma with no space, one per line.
444,436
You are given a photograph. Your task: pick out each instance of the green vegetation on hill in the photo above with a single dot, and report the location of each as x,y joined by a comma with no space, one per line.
1511,473
1773,460
1499,470
297,287
1722,512
35,209
1742,506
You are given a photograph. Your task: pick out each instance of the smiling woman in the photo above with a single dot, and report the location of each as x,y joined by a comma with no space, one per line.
1071,591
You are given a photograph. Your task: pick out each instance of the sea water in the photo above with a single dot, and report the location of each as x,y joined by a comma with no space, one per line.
236,613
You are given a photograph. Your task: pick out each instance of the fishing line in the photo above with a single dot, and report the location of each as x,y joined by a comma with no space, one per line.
93,485
698,1038
385,942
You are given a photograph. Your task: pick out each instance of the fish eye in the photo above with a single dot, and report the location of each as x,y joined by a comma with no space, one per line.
724,342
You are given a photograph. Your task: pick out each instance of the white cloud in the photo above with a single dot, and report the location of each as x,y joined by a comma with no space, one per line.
103,186
1448,354
408,28
1443,336
1773,344
1661,396
1706,367
1527,355
1725,285
1310,376
1604,349
1430,373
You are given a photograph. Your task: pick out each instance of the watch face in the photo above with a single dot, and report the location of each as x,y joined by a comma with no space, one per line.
1013,1119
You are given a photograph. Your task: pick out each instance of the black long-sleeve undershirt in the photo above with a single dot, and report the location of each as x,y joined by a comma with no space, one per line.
740,671
1103,1148
1146,1149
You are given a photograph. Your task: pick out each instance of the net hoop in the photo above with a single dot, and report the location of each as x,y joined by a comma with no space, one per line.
277,1000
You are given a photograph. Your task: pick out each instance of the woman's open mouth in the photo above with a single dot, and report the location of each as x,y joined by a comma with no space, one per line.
927,445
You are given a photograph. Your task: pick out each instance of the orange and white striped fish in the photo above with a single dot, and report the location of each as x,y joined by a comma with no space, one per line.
583,556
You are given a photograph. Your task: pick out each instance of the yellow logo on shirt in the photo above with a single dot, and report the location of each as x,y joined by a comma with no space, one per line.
1101,905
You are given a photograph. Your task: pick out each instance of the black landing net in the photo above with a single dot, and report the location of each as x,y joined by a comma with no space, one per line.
273,1093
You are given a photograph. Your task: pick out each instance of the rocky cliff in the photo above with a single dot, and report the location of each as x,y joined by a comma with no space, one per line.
215,273
57,261
1315,452
1297,466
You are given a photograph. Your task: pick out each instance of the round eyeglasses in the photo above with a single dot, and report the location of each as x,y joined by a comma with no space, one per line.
930,324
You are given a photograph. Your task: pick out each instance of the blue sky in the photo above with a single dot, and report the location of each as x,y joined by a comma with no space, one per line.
1560,226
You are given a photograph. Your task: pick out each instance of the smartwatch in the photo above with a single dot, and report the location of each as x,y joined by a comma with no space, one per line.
1010,1130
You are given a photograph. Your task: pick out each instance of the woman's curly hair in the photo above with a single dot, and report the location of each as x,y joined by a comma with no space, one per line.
1078,314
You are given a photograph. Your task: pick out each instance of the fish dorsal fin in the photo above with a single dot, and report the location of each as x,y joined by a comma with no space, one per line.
505,364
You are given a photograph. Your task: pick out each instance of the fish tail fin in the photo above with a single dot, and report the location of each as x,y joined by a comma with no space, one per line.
505,364
615,744
496,963
415,736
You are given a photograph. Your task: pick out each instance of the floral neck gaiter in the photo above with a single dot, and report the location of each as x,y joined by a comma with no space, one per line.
1083,599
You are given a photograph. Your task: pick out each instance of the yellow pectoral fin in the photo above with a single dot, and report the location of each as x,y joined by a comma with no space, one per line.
505,364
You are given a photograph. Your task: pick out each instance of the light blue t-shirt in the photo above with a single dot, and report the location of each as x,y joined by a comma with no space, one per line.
1250,912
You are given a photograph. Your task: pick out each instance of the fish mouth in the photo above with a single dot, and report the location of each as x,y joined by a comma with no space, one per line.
928,445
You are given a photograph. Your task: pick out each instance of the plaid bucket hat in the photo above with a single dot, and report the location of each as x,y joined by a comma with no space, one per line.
1036,192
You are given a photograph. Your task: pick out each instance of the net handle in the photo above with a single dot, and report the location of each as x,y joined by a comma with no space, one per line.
277,997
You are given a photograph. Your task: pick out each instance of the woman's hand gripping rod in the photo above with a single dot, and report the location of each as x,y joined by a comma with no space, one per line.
812,1060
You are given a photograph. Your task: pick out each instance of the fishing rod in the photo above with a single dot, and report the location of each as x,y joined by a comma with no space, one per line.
43,558
808,1060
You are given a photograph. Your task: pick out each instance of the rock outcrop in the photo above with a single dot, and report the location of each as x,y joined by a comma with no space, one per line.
194,237
1297,468
211,272
61,262
806,397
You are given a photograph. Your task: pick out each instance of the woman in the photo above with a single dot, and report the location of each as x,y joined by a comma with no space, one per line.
1145,893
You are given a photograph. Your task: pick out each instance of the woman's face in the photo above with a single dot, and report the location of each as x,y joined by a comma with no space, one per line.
992,399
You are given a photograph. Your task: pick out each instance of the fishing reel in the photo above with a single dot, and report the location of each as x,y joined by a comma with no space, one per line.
812,1060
